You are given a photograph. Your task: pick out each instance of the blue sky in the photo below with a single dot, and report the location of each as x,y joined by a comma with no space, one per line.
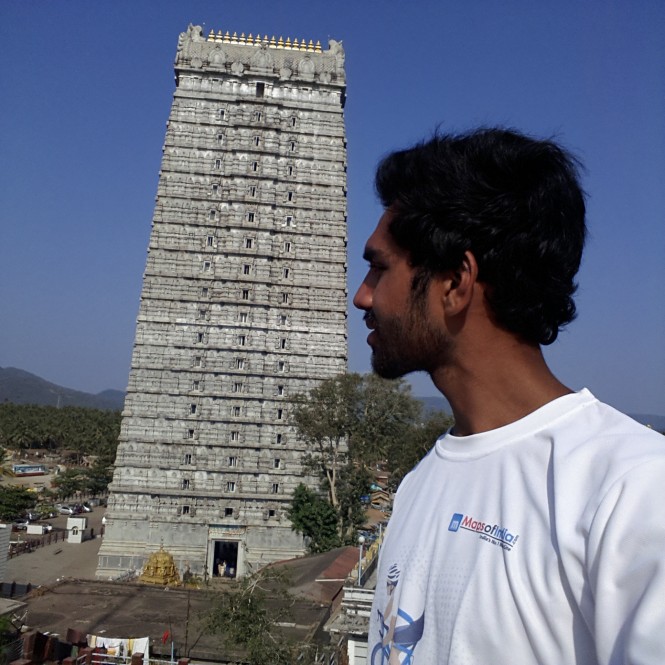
87,88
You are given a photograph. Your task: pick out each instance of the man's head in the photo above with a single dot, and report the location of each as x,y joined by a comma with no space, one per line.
512,202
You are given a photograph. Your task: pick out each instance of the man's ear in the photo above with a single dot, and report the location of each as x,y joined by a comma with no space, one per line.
458,287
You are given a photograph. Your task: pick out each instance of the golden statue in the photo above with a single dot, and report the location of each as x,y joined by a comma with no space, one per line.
160,569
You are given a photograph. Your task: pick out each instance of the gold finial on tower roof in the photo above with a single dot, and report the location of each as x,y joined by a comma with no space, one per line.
256,39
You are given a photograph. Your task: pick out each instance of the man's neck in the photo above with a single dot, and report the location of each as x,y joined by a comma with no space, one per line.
492,388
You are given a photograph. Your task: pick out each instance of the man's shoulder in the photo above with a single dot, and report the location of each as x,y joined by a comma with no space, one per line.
604,444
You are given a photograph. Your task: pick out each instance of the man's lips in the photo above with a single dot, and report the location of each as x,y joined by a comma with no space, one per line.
370,321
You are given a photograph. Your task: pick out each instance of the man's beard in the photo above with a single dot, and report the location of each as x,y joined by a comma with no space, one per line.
407,344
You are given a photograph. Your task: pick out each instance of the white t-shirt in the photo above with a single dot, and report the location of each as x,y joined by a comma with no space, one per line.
538,543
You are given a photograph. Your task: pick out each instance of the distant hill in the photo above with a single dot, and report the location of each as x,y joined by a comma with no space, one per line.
433,404
20,387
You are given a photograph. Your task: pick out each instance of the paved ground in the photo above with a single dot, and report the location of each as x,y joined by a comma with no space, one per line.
60,560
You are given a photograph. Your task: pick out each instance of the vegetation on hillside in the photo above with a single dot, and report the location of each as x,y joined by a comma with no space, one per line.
85,431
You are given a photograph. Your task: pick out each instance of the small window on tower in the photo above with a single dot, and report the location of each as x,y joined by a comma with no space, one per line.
218,163
248,243
206,266
255,166
257,116
210,240
275,488
288,221
228,512
280,390
204,291
277,463
242,340
280,414
190,433
278,438
233,461
230,486
220,138
240,363
293,121
185,483
260,89
252,191
250,216
236,411
285,272
187,458
222,114
235,436
212,214
185,510
192,408
199,337
285,297
246,269
242,317
289,196
245,294
282,343
287,246
215,189
257,141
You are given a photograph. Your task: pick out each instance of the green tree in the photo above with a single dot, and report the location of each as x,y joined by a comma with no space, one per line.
244,616
14,501
325,418
315,518
69,482
349,423
405,453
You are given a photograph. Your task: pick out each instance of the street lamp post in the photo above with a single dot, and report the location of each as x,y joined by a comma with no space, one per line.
361,542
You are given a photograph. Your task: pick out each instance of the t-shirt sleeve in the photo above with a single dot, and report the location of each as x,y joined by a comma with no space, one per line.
626,568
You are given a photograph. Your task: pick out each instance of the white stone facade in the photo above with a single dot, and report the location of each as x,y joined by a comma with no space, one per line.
243,306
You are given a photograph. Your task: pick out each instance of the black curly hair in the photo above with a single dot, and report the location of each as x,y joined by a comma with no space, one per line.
515,202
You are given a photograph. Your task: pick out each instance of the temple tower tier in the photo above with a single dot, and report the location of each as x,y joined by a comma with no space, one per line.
243,306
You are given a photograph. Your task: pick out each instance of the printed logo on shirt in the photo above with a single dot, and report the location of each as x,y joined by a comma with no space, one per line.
491,533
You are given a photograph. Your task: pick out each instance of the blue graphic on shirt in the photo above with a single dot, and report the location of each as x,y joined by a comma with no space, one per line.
455,521
397,641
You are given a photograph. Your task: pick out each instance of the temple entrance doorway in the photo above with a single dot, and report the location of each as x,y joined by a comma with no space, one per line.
225,558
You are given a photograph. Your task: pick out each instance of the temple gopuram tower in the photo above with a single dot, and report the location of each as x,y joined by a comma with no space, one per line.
243,306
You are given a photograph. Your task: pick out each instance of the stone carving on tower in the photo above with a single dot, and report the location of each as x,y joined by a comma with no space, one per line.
243,305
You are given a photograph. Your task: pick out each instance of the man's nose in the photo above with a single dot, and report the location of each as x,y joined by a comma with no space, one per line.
363,297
